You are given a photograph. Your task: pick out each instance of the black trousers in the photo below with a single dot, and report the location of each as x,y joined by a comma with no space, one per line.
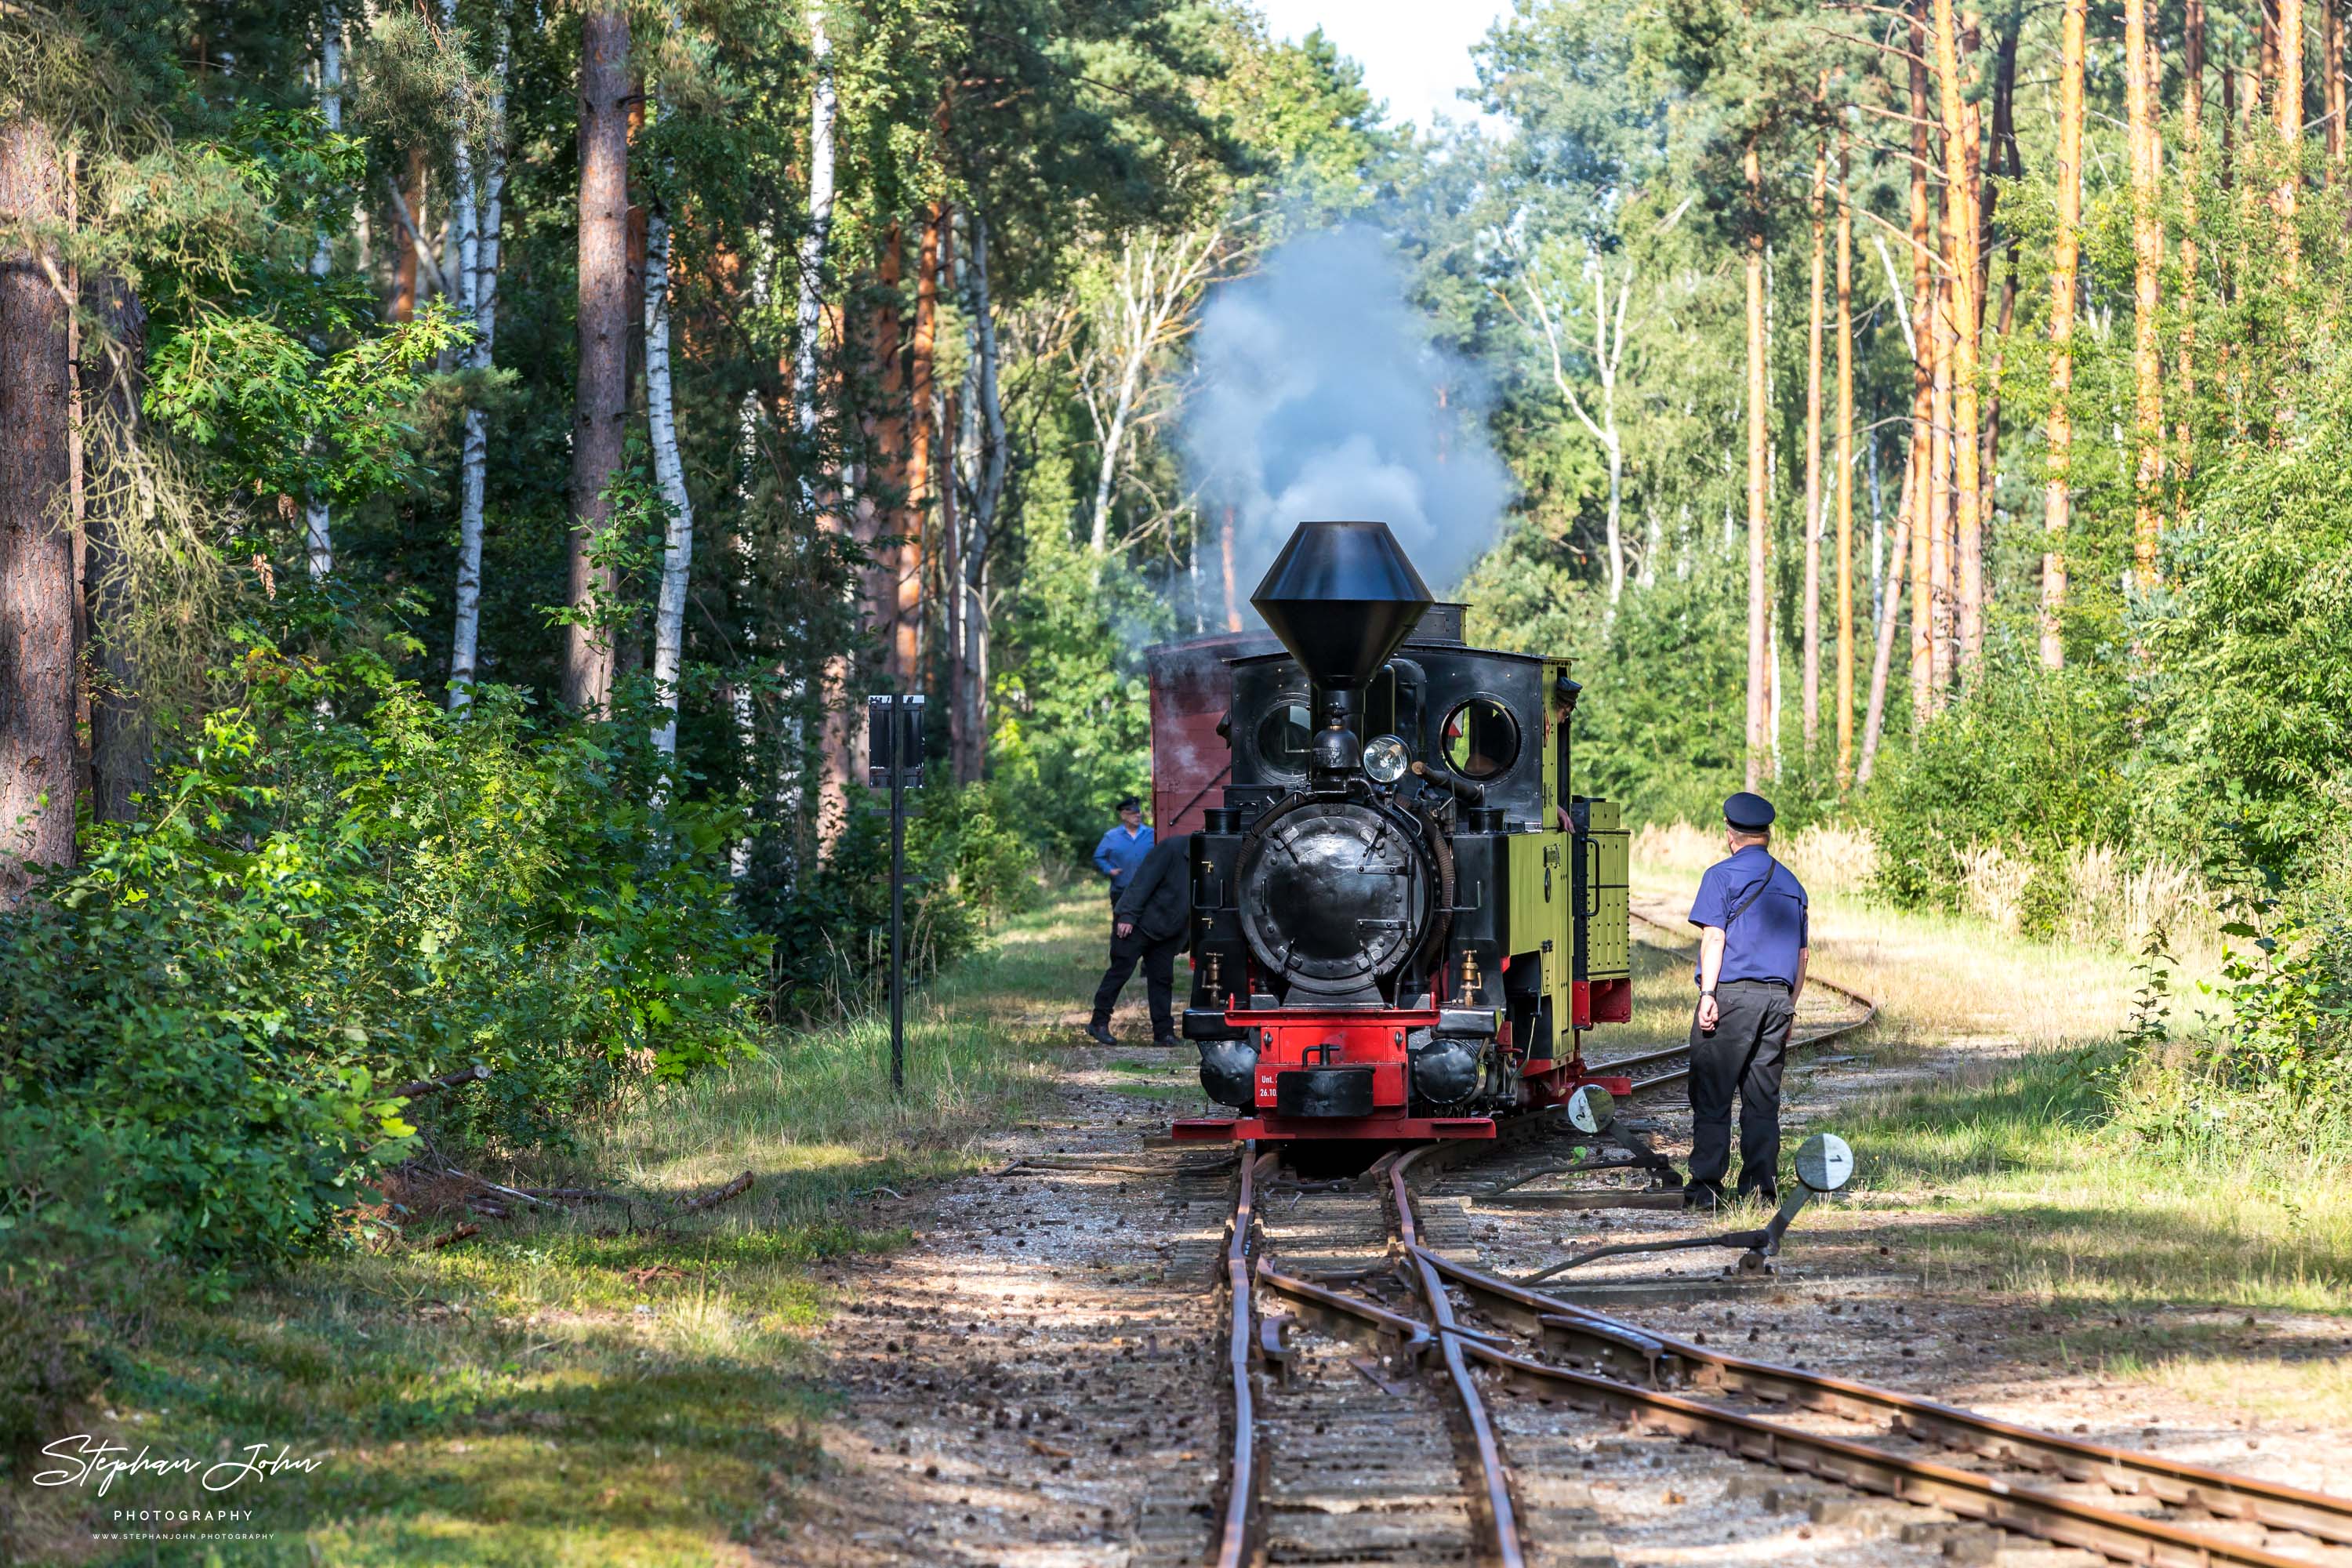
1158,956
1744,1055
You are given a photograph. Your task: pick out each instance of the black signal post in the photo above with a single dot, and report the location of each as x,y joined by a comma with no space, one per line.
894,749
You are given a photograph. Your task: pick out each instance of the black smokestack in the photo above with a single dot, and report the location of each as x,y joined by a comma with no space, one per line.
1342,597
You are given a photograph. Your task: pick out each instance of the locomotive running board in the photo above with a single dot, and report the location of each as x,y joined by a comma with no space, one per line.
1292,1129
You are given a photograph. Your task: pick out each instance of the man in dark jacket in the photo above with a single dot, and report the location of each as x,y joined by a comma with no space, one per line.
1149,925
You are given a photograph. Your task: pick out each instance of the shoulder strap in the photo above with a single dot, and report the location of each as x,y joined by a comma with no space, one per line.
1772,868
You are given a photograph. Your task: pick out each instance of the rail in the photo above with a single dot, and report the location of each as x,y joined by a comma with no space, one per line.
1499,1515
2172,1481
2026,1509
1625,1066
1241,1499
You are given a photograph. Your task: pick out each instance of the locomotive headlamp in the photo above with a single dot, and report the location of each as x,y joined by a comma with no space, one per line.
1386,758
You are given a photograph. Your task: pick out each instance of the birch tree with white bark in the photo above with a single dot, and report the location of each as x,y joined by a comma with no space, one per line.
661,420
479,219
1584,328
823,111
317,534
1145,304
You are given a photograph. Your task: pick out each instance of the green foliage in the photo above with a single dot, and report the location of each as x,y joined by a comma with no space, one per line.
2254,682
309,911
63,1257
1074,728
282,418
1658,725
2025,758
966,869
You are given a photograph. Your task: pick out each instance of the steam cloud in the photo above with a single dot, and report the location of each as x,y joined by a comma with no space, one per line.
1316,396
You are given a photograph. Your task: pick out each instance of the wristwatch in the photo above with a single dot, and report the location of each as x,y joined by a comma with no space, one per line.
1707,990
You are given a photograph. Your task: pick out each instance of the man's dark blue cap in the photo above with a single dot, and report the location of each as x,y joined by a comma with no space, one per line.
1748,812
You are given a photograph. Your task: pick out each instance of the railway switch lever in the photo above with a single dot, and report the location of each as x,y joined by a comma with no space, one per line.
1824,1164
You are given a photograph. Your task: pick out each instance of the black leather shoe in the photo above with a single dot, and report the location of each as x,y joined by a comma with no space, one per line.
1101,1036
1167,1042
1699,1196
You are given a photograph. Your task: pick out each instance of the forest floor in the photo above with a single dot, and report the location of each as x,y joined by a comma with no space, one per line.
978,1326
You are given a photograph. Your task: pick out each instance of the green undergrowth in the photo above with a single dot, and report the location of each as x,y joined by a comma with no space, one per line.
575,1389
2042,1181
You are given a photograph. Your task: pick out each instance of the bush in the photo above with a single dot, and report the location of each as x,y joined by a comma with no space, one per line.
2026,760
311,911
2253,706
1072,709
63,1255
965,866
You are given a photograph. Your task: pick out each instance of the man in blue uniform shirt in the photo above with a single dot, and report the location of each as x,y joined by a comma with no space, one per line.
1122,849
1754,942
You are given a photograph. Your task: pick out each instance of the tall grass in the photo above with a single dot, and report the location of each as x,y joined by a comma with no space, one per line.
2104,898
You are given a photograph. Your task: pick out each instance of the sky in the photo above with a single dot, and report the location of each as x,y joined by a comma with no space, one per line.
1415,53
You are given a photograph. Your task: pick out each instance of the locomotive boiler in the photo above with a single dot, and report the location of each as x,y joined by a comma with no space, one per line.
1402,916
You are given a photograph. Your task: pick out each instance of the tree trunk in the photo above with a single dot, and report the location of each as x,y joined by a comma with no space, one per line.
2066,253
1939,489
809,305
1114,438
2148,259
318,532
604,393
1758,386
1812,684
887,343
908,656
669,472
1884,656
1962,234
2227,175
38,746
2193,148
405,254
1922,479
2004,157
951,603
2288,104
474,451
995,446
121,738
1843,467
2331,78
834,763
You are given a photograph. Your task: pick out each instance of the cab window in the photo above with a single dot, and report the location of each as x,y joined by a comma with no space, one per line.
1283,736
1480,740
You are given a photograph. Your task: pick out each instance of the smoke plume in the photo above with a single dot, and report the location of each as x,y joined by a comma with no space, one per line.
1319,394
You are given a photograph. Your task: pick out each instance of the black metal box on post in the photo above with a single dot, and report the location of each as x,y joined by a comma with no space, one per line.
894,753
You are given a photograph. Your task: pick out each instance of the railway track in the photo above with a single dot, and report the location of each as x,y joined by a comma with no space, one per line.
1408,1463
1827,1011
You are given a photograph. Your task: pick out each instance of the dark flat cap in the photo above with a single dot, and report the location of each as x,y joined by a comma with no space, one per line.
1748,812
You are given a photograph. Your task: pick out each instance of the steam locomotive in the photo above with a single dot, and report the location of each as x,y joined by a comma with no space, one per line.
1402,919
